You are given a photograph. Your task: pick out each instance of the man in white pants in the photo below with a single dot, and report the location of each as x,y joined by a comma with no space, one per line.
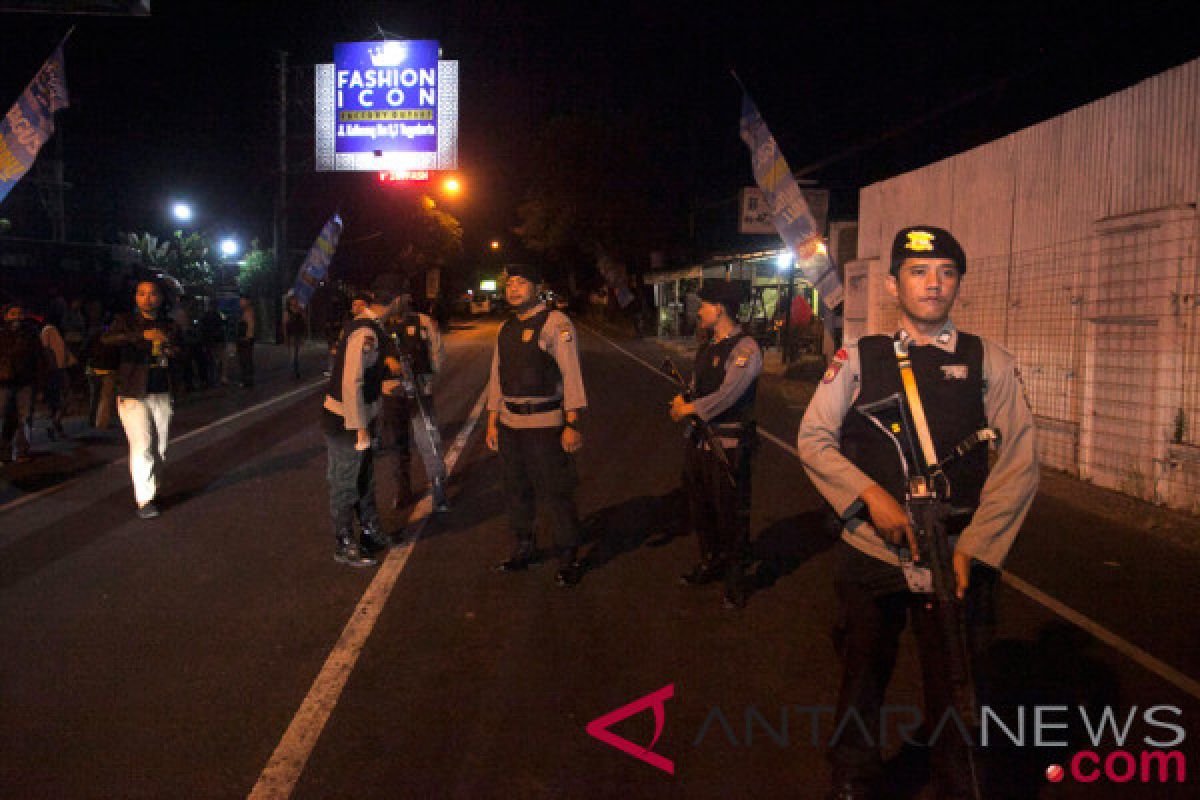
146,339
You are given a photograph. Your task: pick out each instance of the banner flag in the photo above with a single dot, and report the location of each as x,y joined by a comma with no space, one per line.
788,209
316,264
30,122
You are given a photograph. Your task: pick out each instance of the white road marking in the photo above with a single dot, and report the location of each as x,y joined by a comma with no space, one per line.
29,498
279,776
1132,651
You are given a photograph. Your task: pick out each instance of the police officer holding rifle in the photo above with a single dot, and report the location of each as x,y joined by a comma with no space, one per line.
895,423
720,445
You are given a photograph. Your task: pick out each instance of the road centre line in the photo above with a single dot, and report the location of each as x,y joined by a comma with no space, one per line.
49,490
1126,648
283,769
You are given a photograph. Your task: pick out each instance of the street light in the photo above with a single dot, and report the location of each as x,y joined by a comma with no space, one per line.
229,247
452,186
495,244
182,212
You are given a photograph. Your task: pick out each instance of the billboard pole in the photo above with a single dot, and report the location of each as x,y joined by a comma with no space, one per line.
281,205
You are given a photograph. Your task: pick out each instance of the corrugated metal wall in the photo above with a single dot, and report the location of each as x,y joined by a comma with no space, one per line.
1080,234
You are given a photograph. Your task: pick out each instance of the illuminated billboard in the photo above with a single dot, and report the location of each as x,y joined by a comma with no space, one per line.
387,106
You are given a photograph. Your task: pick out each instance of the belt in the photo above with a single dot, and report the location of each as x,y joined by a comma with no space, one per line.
533,408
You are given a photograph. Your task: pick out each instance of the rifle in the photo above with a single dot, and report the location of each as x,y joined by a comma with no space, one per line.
413,390
930,571
703,428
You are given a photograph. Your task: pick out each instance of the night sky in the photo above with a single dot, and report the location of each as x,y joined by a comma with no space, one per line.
183,104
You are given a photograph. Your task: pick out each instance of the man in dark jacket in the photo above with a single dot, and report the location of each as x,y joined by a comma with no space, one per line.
20,365
146,339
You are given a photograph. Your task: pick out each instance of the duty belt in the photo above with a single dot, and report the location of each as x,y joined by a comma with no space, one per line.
533,408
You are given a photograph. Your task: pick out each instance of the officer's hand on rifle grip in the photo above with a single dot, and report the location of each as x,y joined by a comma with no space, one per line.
890,519
680,409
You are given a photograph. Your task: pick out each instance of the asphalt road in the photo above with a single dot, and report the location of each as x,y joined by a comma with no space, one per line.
219,650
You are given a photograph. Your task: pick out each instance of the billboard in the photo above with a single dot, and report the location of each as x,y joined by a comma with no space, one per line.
754,212
387,106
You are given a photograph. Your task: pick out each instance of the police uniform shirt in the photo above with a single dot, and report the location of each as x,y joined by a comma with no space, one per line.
363,351
557,340
741,368
1011,483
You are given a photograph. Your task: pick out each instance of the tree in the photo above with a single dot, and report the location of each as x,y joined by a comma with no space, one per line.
595,195
256,276
411,235
182,257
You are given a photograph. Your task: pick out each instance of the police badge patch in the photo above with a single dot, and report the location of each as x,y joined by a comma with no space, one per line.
527,335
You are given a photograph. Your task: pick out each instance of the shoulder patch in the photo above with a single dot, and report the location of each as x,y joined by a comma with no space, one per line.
565,335
835,366
740,361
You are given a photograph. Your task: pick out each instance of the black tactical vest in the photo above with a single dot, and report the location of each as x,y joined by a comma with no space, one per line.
711,363
372,376
411,339
526,370
951,389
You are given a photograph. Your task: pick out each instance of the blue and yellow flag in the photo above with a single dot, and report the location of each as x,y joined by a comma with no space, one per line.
316,264
789,210
30,122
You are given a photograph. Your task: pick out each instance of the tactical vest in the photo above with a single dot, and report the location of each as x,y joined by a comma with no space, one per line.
710,368
411,339
526,370
951,389
372,375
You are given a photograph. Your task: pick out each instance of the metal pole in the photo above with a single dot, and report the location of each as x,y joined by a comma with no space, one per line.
281,250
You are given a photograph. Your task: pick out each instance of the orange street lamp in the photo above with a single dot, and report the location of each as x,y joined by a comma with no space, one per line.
495,244
452,186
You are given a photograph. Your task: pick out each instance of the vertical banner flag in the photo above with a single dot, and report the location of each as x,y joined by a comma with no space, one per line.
316,264
788,208
30,122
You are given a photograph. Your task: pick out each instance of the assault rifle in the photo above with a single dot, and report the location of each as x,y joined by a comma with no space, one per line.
700,426
927,501
413,389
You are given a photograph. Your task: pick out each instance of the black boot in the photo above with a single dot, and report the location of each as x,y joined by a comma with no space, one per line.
373,541
348,552
523,557
708,570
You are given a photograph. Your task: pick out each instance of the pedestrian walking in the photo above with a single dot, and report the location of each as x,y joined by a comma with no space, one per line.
146,339
295,330
247,332
720,446
535,401
965,384
21,369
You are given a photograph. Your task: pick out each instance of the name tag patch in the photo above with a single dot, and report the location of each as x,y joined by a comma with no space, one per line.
954,372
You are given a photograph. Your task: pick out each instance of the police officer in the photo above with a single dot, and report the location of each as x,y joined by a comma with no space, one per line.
965,382
724,383
350,424
416,338
534,401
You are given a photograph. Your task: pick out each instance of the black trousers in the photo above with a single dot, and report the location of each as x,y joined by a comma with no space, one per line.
867,639
538,470
719,511
351,476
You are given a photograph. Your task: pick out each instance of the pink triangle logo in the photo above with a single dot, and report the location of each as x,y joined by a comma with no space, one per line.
599,728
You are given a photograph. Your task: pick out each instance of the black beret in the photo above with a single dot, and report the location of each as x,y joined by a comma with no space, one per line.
527,271
926,241
724,293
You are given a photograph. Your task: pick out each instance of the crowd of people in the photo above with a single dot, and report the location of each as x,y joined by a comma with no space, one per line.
56,358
